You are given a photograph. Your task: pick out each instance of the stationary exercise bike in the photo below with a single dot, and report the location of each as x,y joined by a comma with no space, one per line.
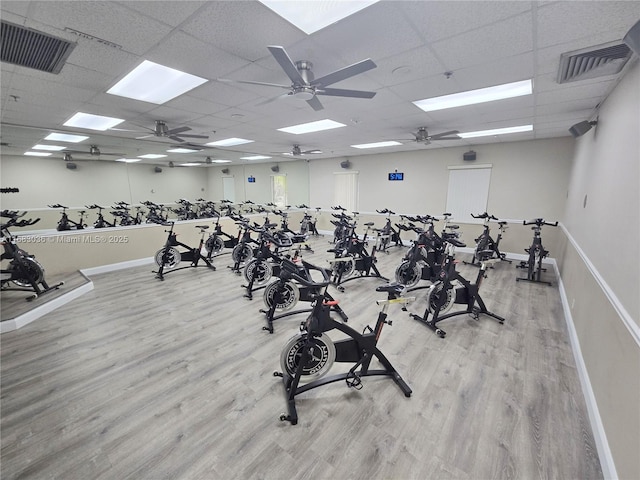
310,354
169,257
292,287
101,222
537,253
309,222
23,270
65,223
388,234
484,242
466,293
219,240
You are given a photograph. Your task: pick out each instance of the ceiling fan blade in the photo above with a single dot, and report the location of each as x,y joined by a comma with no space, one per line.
344,73
439,136
173,131
249,82
194,136
437,139
307,152
341,92
315,104
287,64
177,139
146,136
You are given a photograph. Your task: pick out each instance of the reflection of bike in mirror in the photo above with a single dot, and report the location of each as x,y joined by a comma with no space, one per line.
309,355
169,257
220,240
65,223
100,222
23,270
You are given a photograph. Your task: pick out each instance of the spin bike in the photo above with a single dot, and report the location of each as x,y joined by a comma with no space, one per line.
169,257
484,242
101,222
537,253
351,256
23,270
309,222
65,223
388,234
467,293
289,288
219,240
309,355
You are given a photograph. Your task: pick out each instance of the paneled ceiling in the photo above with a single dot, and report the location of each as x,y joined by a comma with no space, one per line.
421,48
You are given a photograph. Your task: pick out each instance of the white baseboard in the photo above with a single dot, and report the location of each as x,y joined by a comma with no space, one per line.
117,266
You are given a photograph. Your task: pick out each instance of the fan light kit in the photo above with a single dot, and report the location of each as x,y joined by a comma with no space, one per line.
92,122
154,83
472,97
161,129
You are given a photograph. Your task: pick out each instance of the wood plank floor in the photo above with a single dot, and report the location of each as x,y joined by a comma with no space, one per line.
142,379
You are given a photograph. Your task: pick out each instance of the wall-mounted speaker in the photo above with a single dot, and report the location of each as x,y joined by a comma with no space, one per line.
581,128
346,164
71,165
157,170
275,168
632,38
225,170
469,156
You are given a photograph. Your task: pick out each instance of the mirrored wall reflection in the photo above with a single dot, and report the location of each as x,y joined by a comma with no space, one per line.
45,182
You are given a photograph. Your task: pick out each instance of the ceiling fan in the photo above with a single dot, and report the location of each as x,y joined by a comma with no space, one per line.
422,136
161,129
305,86
297,152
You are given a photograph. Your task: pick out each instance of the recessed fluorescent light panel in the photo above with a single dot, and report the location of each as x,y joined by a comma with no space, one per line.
482,95
312,127
377,144
128,160
154,83
190,164
92,122
37,154
63,137
312,17
229,142
151,155
497,131
182,150
53,148
221,161
255,157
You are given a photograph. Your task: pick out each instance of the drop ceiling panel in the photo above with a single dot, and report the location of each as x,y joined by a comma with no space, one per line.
407,66
170,13
575,91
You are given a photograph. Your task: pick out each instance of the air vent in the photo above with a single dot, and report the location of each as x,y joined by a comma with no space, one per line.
32,49
593,62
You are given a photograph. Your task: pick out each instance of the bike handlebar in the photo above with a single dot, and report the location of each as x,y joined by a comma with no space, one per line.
539,222
485,215
57,205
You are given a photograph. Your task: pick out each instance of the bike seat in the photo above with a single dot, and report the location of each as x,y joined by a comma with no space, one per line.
202,227
369,224
456,242
395,288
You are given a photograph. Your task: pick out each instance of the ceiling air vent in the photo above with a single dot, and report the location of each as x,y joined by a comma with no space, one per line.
32,49
593,62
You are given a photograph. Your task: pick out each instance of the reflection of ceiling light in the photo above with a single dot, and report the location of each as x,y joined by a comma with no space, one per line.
317,126
128,160
92,122
323,13
190,164
229,142
221,161
37,154
63,137
481,95
54,148
182,150
496,131
255,157
155,83
151,155
377,144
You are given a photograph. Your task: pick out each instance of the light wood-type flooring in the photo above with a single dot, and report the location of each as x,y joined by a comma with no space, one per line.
142,379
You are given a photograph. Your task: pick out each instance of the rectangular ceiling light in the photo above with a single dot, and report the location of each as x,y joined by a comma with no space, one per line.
221,161
151,155
154,83
471,97
255,157
377,144
182,150
318,126
497,131
315,16
190,164
37,154
63,137
92,122
53,148
128,160
229,142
